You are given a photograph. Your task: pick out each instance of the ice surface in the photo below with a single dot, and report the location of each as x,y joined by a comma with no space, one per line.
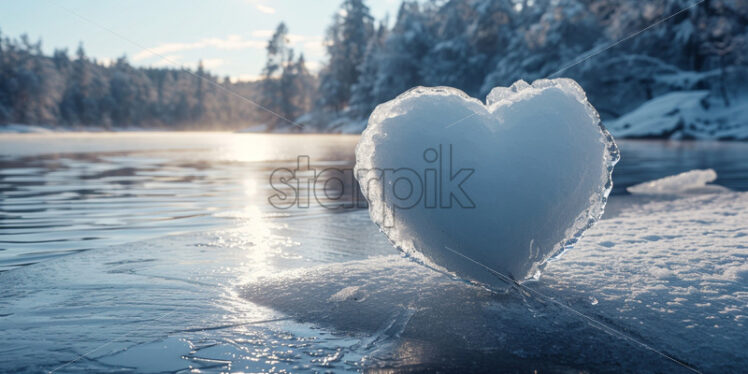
684,182
169,303
539,166
153,357
670,272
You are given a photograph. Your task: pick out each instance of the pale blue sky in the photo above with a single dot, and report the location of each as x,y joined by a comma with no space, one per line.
228,35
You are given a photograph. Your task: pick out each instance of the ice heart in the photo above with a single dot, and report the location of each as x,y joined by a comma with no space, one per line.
509,184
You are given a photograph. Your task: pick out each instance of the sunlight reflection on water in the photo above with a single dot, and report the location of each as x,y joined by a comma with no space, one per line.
73,192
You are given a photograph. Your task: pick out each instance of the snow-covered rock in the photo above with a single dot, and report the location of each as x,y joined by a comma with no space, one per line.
685,114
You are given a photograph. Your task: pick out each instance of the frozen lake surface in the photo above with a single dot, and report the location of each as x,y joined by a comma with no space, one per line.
154,252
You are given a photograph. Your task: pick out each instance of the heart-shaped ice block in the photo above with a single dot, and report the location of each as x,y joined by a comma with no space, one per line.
508,184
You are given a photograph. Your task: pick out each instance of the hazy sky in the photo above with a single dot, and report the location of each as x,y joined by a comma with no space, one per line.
228,35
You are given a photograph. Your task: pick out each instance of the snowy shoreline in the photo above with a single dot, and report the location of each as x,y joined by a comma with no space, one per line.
678,115
17,128
684,115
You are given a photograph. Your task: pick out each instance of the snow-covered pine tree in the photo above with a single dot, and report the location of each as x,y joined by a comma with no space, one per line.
272,90
363,100
401,57
347,40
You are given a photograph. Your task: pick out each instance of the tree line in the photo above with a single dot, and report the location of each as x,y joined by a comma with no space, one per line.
473,45
623,52
78,91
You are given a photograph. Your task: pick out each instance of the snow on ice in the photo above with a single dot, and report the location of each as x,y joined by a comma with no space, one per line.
667,271
690,181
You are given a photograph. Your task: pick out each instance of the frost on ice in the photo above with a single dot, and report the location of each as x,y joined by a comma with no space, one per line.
694,180
539,165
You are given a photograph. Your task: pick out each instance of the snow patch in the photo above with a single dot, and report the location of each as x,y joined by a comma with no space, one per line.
348,293
694,180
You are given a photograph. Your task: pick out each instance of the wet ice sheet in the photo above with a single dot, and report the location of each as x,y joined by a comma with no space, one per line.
170,303
66,193
329,293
